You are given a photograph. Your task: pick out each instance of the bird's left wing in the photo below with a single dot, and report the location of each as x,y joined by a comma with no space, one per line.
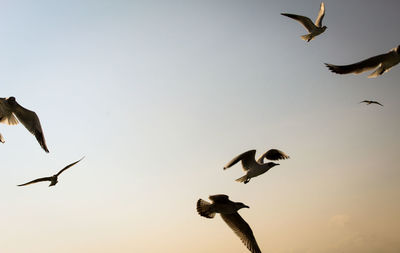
68,166
243,230
37,180
321,14
273,155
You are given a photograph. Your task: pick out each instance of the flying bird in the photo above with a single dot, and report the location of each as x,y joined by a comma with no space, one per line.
53,179
368,102
313,29
229,213
11,113
382,63
255,168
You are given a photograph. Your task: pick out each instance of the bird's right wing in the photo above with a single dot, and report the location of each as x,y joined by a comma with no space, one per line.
376,102
37,180
321,14
68,166
247,157
243,230
359,67
306,22
273,155
6,115
219,198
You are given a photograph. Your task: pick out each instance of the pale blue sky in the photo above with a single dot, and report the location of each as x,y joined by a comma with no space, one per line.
159,95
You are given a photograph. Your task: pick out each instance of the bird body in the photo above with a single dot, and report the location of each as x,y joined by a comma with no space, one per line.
255,168
53,179
11,113
314,29
381,63
229,213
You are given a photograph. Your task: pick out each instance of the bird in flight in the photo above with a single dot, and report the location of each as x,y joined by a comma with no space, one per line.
229,213
382,63
313,29
53,179
255,168
368,102
11,112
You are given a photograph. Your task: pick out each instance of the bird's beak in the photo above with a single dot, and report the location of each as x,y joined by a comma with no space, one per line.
246,206
277,164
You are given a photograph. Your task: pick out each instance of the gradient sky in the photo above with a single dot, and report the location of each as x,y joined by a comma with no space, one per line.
159,95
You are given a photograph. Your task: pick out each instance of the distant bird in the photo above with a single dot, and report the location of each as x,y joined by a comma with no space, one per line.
382,63
228,211
11,112
255,168
313,29
368,102
53,179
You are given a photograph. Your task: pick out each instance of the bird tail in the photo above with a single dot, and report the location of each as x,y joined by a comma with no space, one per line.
243,179
204,209
307,37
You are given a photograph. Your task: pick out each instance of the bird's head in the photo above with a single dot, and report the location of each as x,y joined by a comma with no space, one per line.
324,27
240,205
11,100
272,164
398,49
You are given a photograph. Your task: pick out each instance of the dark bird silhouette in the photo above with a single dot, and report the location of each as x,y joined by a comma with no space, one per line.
382,63
229,213
255,168
313,29
53,179
11,112
368,102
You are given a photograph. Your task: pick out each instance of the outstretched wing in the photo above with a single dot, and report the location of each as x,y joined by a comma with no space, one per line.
359,67
2,139
247,157
376,102
37,180
306,22
243,230
274,155
68,166
31,122
321,14
220,198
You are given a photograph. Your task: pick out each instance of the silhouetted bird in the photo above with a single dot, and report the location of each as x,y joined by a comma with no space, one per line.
255,168
53,179
11,112
313,29
382,63
368,102
228,211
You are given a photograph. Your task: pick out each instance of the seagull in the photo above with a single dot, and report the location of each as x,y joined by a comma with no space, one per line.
313,29
11,112
53,179
368,102
255,168
382,63
228,211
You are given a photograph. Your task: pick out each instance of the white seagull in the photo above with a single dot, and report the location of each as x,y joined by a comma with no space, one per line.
255,168
53,179
313,29
228,211
382,63
11,112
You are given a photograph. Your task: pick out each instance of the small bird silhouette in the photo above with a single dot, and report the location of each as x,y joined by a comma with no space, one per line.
368,102
313,29
255,168
53,179
229,213
11,112
382,63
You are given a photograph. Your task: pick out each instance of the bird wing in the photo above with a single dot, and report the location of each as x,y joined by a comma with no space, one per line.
273,154
321,14
243,230
376,102
219,198
68,166
6,115
2,139
31,122
37,180
306,22
364,101
359,67
247,157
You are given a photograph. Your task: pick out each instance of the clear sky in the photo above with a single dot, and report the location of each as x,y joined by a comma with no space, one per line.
159,95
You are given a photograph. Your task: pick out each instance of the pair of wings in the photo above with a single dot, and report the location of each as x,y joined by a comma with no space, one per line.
249,159
42,179
306,22
237,224
30,120
371,102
